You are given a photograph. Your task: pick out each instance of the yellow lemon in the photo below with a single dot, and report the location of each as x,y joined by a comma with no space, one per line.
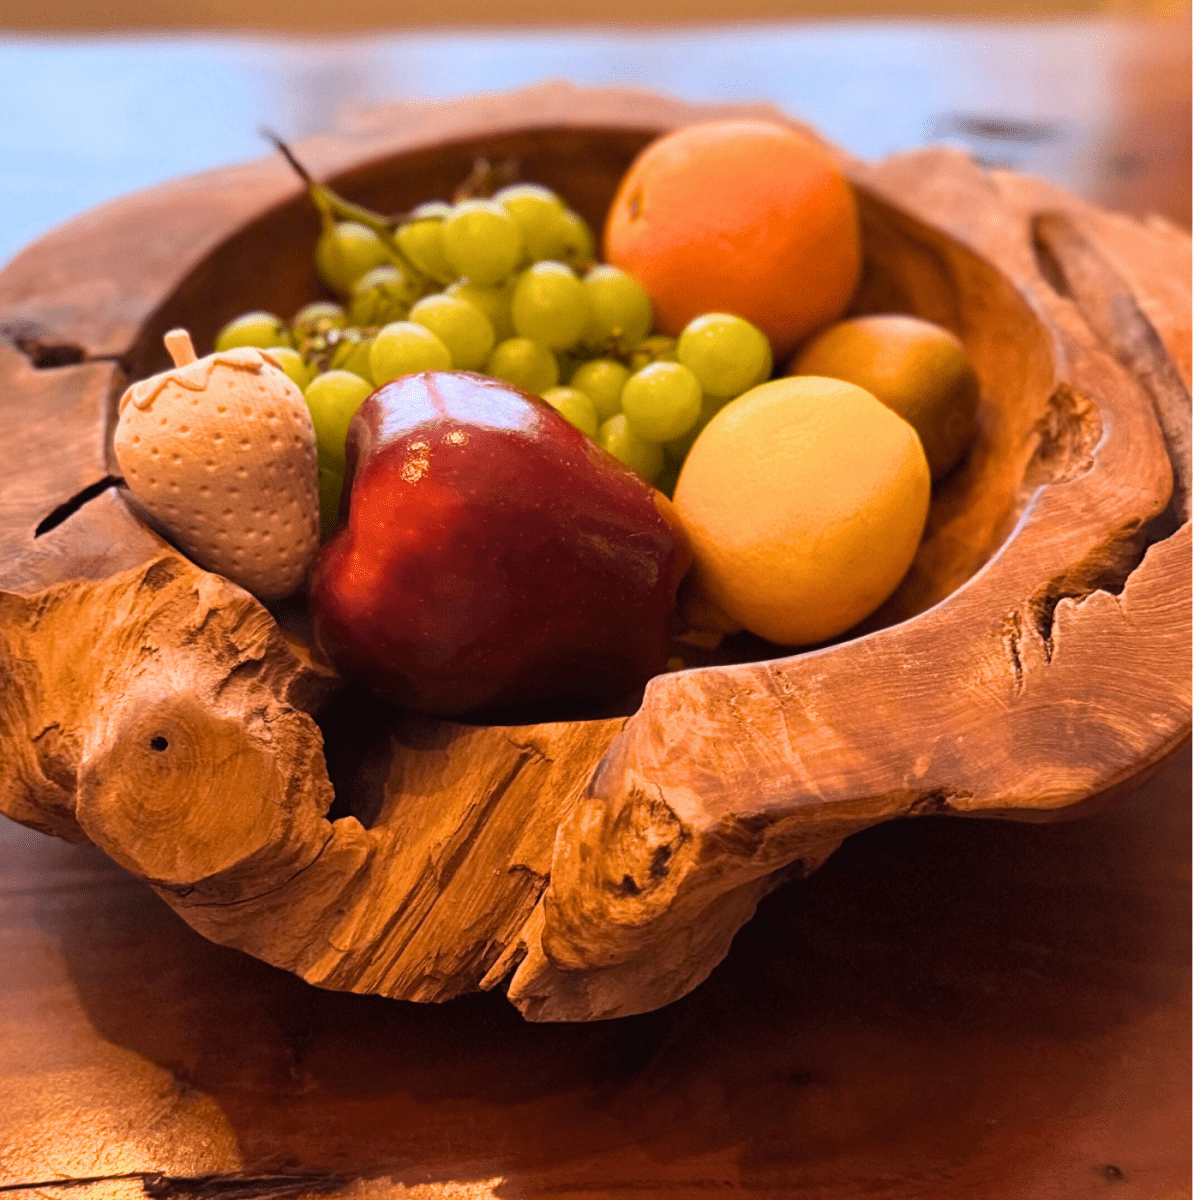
917,368
804,501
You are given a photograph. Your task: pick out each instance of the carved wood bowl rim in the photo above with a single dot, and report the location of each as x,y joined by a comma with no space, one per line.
664,829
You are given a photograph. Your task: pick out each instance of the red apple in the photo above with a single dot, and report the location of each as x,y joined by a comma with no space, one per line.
490,559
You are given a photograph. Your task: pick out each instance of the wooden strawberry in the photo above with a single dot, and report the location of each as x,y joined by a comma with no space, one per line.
220,452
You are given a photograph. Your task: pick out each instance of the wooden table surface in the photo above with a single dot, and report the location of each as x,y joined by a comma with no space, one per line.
946,1009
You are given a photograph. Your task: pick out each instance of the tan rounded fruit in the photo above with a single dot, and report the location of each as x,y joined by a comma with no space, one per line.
804,501
917,368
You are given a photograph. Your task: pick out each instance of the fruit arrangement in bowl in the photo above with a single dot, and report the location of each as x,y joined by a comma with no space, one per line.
923,553
488,559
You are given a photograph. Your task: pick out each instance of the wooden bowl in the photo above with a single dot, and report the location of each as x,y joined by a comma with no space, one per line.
1035,658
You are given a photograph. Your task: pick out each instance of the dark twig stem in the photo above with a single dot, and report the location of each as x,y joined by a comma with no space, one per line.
329,204
233,1186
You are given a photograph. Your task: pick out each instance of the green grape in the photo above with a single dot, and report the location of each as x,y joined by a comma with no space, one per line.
726,353
581,247
601,380
658,348
384,294
662,401
677,449
525,364
621,315
352,352
461,327
346,252
317,319
404,348
645,457
293,364
481,241
576,406
494,302
333,398
550,305
421,241
538,213
329,493
261,329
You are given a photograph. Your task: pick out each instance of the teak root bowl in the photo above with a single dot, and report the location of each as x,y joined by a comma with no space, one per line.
1035,658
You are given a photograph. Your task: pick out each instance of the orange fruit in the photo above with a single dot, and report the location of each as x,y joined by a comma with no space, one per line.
745,217
804,501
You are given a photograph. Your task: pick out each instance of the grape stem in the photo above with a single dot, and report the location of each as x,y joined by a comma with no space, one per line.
486,179
329,204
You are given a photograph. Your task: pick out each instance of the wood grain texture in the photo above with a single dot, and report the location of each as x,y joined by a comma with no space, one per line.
1034,658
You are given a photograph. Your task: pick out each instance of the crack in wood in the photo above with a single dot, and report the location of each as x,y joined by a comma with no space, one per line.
936,801
1011,636
539,879
68,508
529,749
41,348
1106,576
224,1186
1109,571
1043,609
449,869
187,889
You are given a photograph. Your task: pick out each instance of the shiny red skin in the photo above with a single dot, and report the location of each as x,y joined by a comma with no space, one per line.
492,561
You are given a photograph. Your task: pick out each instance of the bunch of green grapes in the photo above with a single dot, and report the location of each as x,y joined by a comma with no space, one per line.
507,286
